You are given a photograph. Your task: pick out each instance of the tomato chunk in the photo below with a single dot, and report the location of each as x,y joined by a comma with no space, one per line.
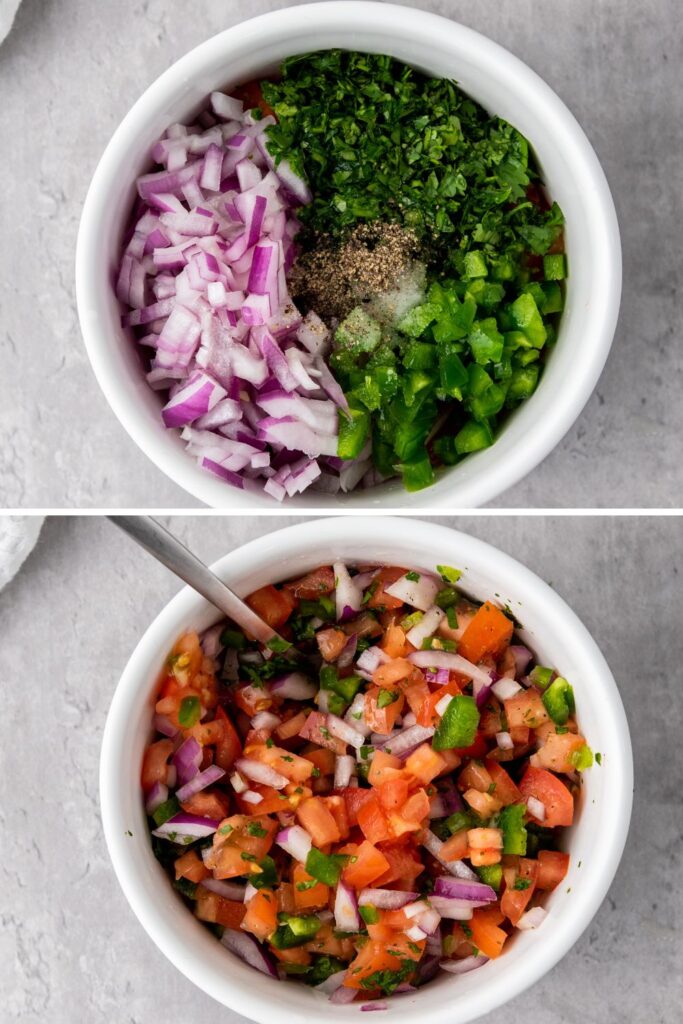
553,794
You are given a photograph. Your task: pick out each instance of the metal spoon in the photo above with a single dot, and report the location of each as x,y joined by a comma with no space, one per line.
168,550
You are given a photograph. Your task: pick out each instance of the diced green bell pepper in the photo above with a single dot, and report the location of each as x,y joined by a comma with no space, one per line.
555,267
526,318
511,823
473,437
559,700
327,868
354,429
491,874
458,726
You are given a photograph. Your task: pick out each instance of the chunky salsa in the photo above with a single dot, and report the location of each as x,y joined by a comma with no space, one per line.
385,799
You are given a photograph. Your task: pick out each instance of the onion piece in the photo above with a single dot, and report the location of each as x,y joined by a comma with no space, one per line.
348,598
536,808
164,725
418,593
461,889
331,983
385,899
504,740
157,796
374,1006
295,841
228,890
250,796
187,759
261,773
265,720
505,688
428,625
458,868
344,768
344,732
248,949
346,914
452,662
408,739
183,828
200,781
532,919
453,910
468,963
238,783
343,995
294,686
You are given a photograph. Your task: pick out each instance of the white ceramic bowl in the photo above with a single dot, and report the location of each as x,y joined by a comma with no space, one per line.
437,46
558,638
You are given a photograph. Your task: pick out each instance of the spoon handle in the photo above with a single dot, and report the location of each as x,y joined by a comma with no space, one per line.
168,550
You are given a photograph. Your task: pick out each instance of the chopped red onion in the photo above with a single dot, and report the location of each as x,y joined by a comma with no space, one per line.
418,593
295,841
348,652
187,759
426,627
536,808
504,740
185,828
385,899
506,688
453,910
228,890
261,773
346,914
452,662
344,767
522,656
461,889
332,983
468,963
199,782
294,686
248,949
348,597
408,739
343,731
157,796
250,796
238,783
265,720
164,725
374,1006
532,919
343,995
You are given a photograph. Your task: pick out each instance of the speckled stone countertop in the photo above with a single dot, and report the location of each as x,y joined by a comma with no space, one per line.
69,71
71,948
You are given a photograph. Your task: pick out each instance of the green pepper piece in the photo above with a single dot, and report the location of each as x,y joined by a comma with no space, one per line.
485,341
417,474
582,758
266,878
522,383
416,320
354,429
327,868
540,676
475,264
555,267
369,913
458,821
511,823
491,874
458,726
473,437
559,700
233,638
164,811
527,318
190,710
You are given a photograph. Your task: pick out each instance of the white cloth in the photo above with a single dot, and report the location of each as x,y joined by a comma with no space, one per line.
18,536
8,8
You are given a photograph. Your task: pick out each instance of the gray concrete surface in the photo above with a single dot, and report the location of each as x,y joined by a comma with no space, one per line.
70,70
70,947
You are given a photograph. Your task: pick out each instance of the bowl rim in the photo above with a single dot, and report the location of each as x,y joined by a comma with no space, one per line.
467,489
305,539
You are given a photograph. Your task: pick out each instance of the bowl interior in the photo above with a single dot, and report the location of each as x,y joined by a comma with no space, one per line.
437,47
557,638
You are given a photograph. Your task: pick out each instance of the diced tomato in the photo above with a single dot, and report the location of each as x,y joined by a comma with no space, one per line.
315,730
315,584
331,642
425,764
489,632
381,719
556,752
261,916
251,700
384,767
369,864
486,935
355,797
553,794
506,791
325,941
456,847
228,747
515,901
251,96
207,804
285,898
417,693
552,868
336,805
273,800
475,776
155,763
373,821
478,749
427,715
392,672
405,864
275,606
216,909
315,897
377,955
394,792
322,759
384,578
318,821
394,642
293,767
191,867
526,708
485,804
296,955
416,809
291,726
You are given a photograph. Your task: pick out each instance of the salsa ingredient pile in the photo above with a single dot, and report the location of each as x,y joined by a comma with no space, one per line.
346,275
383,799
